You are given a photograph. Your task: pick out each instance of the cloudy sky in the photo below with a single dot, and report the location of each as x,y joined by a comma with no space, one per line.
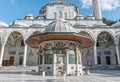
11,10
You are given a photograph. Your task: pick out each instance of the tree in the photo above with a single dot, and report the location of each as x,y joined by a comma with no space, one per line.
108,22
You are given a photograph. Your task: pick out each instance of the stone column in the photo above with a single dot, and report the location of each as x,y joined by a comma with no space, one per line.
54,64
43,62
78,62
95,53
67,62
25,55
2,53
117,52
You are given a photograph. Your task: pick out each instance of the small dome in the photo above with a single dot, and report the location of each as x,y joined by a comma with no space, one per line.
41,17
29,16
3,24
96,25
79,16
116,24
38,24
80,24
90,17
19,24
60,26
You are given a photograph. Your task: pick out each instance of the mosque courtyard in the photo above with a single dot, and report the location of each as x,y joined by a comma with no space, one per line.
94,76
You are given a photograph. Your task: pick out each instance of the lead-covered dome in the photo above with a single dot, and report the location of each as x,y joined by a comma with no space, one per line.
38,24
116,25
19,24
58,2
60,26
29,16
3,24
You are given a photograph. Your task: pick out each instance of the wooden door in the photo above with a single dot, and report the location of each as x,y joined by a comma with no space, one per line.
11,60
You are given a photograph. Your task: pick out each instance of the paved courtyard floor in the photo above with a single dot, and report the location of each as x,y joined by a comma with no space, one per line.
94,76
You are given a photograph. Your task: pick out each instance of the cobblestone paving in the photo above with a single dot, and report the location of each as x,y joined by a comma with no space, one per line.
94,76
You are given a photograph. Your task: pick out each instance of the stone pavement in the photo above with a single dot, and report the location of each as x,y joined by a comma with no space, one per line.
95,76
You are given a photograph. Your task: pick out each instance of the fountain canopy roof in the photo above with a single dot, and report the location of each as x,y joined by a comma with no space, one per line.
59,30
60,26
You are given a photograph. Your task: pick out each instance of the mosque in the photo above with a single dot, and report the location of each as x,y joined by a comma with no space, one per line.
61,29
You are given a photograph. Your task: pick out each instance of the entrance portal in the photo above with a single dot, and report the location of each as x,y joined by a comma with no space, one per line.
11,60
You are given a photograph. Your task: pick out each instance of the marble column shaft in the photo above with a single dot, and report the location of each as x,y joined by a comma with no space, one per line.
2,53
25,55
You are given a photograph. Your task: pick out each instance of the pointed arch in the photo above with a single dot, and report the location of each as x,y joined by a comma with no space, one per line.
107,31
14,49
88,34
106,47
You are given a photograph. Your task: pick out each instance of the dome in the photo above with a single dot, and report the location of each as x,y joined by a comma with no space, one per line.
116,24
3,24
79,17
80,24
38,24
29,16
90,17
58,2
41,17
60,26
19,24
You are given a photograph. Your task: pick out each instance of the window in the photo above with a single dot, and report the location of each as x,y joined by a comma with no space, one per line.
107,52
21,53
40,59
72,57
99,53
12,52
48,59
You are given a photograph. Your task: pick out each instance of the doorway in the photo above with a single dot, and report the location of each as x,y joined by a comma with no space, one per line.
108,61
11,60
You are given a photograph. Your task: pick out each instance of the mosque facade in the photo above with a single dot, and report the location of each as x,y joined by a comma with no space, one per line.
104,53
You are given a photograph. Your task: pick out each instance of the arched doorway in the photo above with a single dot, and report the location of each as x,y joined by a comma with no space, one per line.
106,54
14,50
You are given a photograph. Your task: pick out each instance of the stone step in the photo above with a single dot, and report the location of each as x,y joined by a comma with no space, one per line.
19,68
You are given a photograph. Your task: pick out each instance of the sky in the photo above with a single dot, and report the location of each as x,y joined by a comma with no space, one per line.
10,10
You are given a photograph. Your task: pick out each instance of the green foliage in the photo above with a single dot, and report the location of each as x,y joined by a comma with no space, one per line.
109,22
